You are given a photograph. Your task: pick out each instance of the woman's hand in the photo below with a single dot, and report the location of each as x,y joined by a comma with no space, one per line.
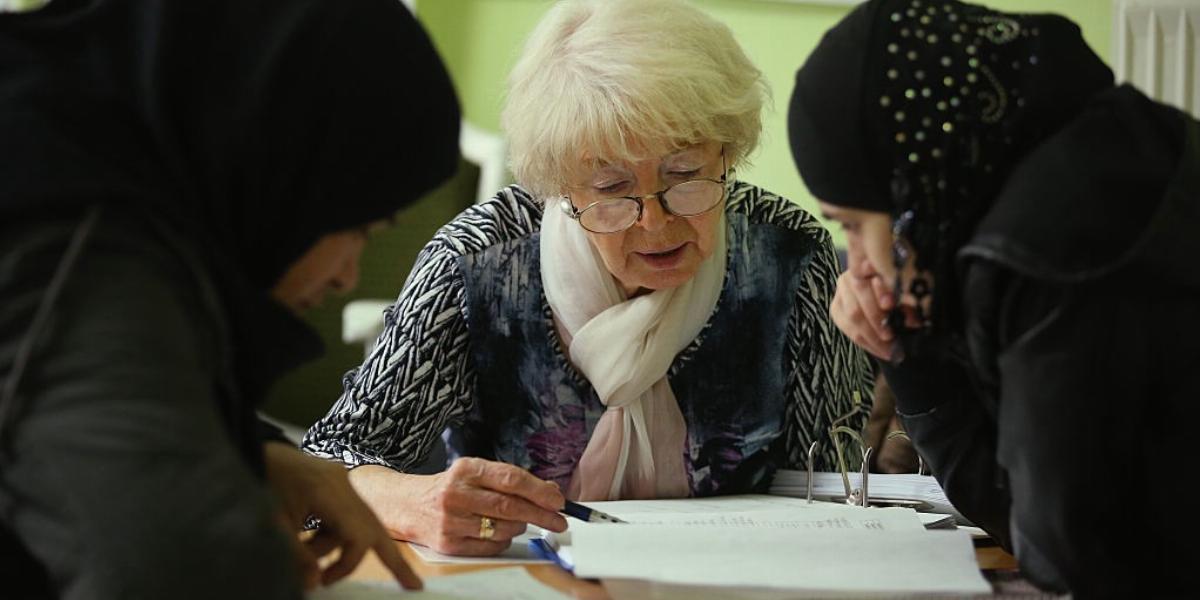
860,306
445,511
308,486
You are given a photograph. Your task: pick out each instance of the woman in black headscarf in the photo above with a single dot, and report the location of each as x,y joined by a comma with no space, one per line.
1022,254
176,180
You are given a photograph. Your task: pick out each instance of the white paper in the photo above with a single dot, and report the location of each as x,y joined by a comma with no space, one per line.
517,553
976,533
497,584
822,561
757,511
937,521
716,504
748,510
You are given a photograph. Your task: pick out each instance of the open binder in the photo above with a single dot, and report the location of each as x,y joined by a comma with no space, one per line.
919,492
789,544
912,490
759,544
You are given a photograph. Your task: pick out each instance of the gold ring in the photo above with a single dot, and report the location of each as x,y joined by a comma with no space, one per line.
487,528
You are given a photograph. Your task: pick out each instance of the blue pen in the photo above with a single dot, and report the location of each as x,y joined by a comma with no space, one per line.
547,549
590,515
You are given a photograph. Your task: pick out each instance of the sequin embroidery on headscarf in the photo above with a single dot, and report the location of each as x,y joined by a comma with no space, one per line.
948,97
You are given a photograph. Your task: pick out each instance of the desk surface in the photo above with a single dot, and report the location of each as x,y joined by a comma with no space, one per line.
371,569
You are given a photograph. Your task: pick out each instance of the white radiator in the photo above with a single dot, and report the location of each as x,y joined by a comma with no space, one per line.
1156,47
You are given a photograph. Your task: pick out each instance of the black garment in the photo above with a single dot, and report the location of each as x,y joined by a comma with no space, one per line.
121,480
219,140
1059,216
257,125
1065,402
946,98
251,127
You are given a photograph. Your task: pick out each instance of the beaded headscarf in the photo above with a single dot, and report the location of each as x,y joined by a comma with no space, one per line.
922,108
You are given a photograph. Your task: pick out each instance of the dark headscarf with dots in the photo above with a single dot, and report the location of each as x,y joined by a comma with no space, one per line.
922,108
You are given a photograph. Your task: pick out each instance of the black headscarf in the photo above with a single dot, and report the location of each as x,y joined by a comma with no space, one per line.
254,125
250,127
922,109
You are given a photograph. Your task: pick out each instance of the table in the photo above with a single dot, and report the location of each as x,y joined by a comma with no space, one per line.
990,558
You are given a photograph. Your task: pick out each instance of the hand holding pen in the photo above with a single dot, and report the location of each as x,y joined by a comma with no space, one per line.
474,508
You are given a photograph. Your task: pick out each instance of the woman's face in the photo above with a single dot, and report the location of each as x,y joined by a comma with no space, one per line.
660,251
331,264
869,253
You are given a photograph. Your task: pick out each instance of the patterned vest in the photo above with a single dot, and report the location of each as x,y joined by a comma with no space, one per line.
535,410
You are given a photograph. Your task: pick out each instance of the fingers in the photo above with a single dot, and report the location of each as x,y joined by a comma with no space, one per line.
506,492
883,294
352,554
306,561
512,508
353,548
456,500
460,546
515,481
469,527
874,316
855,311
323,543
401,570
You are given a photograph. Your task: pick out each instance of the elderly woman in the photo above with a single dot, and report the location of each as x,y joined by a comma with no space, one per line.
630,322
1031,230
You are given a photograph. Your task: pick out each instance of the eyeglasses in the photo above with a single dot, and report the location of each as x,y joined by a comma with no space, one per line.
690,198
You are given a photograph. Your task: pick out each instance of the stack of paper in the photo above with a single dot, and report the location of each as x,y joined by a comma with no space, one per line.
773,544
920,492
937,521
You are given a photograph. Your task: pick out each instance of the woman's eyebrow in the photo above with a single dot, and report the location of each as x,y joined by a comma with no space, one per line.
608,170
690,152
606,174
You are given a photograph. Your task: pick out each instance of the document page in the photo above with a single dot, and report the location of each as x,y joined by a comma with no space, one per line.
759,511
824,561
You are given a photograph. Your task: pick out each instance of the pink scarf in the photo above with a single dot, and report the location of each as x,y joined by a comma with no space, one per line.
624,348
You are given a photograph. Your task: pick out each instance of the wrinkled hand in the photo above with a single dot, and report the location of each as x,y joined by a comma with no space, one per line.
444,511
308,486
860,308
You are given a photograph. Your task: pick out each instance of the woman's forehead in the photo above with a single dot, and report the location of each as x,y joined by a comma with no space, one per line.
596,161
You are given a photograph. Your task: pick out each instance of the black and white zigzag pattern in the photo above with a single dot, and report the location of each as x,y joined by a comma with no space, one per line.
419,378
827,369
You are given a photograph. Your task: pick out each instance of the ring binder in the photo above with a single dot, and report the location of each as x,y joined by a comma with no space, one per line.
811,449
853,496
904,434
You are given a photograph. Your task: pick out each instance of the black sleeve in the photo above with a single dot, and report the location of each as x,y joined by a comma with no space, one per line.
268,432
1079,380
955,436
1077,420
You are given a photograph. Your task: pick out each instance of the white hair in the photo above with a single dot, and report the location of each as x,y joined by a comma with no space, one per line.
624,80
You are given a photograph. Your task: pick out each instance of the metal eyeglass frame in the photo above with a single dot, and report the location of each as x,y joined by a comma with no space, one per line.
727,174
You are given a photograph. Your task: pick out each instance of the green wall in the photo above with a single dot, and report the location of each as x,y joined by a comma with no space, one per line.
480,40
